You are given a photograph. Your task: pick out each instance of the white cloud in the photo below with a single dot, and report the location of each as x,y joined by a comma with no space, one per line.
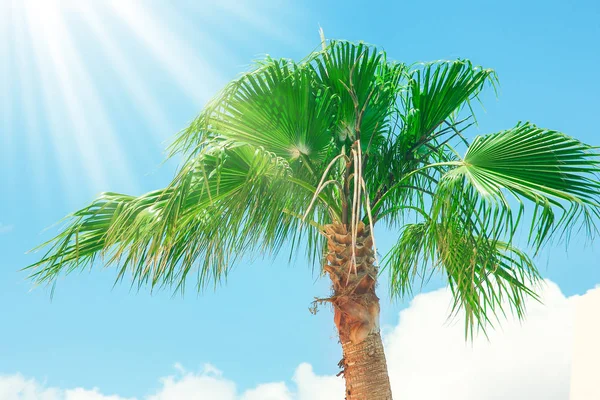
189,386
17,387
82,394
315,387
428,359
269,391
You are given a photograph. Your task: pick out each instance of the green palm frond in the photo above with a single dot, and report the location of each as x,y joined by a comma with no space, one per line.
553,171
278,106
475,210
228,201
282,110
423,134
436,91
365,83
485,275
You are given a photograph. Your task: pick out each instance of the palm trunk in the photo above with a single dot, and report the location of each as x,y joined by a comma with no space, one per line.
356,313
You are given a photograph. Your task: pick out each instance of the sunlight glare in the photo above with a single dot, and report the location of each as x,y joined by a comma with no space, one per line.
35,142
144,101
59,103
195,76
93,135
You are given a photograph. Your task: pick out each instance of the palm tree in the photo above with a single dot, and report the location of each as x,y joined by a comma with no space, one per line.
315,154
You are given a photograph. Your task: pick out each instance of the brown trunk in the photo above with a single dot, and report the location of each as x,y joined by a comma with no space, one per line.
365,370
356,313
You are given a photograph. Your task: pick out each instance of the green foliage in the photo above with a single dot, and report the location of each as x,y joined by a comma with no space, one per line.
287,148
213,211
483,273
548,168
361,78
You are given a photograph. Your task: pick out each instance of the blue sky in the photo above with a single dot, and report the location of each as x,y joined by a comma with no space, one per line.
91,93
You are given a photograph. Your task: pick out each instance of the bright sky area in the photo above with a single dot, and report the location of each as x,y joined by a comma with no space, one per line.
91,92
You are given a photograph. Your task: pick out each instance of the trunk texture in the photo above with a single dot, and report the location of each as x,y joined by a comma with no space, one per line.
365,370
356,312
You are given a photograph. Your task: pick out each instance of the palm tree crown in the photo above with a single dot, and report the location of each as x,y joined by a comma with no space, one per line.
348,137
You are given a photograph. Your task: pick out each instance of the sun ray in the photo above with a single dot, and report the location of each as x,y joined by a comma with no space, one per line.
54,124
33,134
258,20
195,77
144,100
209,47
50,93
84,108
